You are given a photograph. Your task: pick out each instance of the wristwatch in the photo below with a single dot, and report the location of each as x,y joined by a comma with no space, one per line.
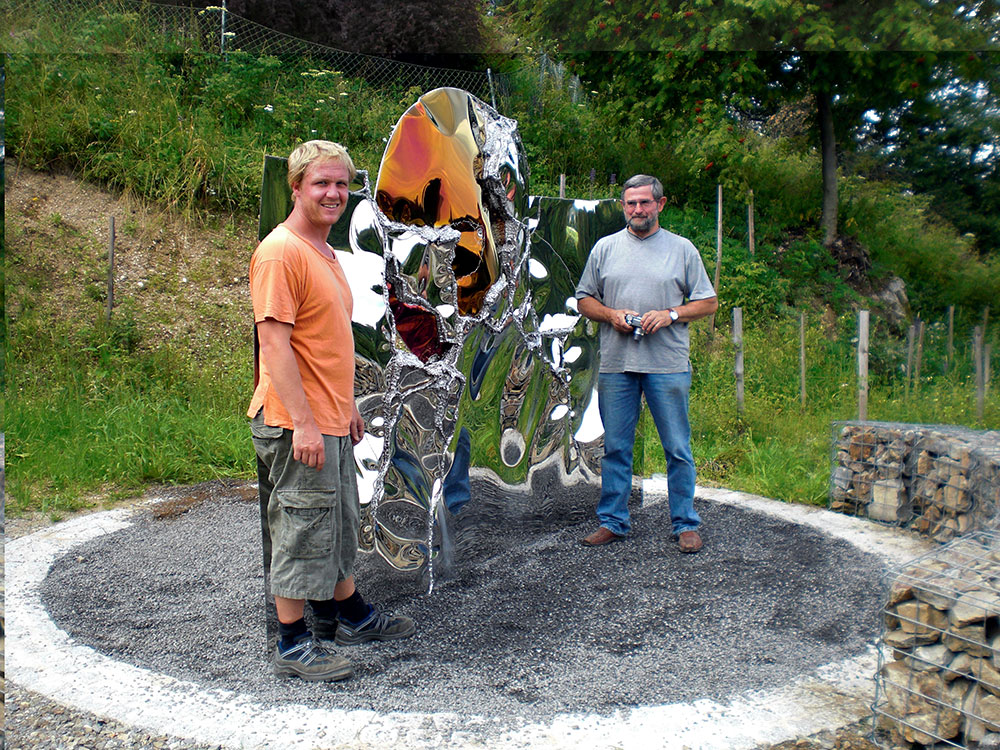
673,314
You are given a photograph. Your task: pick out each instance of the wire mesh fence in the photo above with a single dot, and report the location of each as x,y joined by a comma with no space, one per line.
938,681
217,30
939,481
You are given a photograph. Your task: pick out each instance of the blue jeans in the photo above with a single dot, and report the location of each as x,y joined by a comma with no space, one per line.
619,397
457,488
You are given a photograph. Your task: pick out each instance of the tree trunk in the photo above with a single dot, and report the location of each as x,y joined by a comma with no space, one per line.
828,147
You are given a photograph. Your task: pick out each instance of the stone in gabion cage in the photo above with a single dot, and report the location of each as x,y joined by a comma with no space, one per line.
938,682
939,481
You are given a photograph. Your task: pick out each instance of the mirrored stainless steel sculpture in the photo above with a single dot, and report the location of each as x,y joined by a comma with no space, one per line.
471,356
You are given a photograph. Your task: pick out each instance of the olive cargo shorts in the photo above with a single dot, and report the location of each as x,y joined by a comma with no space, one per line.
312,515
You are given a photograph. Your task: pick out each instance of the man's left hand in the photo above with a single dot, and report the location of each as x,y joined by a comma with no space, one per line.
654,320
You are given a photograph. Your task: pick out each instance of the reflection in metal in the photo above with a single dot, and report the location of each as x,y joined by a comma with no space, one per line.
470,350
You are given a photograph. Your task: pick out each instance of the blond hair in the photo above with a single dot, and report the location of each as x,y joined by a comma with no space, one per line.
311,152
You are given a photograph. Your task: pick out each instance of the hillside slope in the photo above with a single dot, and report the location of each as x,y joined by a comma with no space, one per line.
176,278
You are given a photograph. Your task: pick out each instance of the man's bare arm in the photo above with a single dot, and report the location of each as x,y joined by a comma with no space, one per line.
654,320
596,310
276,349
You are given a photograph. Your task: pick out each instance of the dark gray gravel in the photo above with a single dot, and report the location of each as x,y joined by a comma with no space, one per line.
529,624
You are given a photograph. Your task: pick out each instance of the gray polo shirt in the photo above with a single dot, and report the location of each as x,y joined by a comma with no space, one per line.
661,271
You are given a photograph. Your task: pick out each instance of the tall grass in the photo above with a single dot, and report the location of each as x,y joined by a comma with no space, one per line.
189,131
92,412
777,447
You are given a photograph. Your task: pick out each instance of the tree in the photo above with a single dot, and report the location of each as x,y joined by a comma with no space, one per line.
946,144
740,56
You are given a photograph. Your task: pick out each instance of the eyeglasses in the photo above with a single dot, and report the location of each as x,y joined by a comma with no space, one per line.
632,205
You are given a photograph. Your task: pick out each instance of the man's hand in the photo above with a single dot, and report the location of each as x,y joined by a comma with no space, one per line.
357,426
654,320
617,319
592,308
308,447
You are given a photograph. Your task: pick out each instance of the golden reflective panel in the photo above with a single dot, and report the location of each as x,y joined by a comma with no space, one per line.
430,176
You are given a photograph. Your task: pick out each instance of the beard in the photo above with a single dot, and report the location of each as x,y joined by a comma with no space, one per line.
641,226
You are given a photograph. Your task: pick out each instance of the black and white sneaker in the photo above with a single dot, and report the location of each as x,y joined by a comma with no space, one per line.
377,626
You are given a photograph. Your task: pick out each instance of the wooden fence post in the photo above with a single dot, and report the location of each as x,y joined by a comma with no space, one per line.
950,353
920,355
562,186
911,334
802,358
111,269
987,368
977,358
863,365
718,245
738,344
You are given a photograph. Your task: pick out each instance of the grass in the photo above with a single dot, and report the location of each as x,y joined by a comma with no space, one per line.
777,448
93,416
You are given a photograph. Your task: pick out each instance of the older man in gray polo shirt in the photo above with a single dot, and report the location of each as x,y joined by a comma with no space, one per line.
644,285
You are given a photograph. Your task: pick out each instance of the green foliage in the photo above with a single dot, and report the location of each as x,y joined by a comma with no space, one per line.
947,145
881,25
936,264
100,407
187,130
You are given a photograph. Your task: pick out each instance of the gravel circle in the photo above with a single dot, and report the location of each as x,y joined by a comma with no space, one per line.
528,625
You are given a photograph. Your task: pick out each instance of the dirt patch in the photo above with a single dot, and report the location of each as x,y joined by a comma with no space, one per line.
177,277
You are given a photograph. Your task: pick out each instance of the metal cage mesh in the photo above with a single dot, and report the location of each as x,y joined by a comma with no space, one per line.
939,481
938,682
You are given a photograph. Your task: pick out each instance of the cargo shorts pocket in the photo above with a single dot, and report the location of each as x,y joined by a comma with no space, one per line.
306,525
264,431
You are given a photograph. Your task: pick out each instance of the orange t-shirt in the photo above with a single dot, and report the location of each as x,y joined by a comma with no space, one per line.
292,282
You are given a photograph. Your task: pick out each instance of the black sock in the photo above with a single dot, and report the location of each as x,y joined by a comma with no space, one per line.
354,609
325,609
289,633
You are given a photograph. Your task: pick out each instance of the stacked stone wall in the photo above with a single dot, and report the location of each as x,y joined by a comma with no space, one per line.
941,482
938,683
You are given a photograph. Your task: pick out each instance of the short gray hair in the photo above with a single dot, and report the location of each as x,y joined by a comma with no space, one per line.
641,180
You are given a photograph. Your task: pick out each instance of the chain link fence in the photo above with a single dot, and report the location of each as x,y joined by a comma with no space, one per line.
217,30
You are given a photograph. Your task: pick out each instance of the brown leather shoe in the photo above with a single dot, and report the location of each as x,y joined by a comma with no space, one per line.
599,537
690,541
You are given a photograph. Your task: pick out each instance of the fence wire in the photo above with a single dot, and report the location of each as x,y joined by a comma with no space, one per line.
937,480
217,30
938,681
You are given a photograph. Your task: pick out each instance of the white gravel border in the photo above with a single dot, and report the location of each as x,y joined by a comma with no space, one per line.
42,658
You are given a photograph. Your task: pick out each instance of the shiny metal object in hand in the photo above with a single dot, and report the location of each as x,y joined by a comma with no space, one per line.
636,322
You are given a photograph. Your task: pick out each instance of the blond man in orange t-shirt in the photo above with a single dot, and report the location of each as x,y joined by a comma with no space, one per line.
305,423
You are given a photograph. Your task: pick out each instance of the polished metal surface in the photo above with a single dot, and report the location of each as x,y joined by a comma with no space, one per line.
470,350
